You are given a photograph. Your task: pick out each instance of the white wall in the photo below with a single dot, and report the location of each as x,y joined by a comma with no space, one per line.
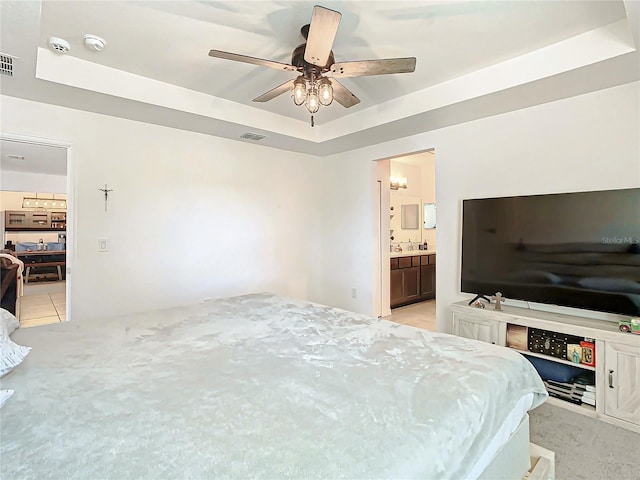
23,181
191,216
420,189
429,195
588,142
406,196
194,216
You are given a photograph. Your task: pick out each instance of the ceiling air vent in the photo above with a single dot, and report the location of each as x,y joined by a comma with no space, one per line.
252,136
6,64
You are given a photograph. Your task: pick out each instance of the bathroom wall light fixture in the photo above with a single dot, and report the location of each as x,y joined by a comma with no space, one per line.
44,203
398,182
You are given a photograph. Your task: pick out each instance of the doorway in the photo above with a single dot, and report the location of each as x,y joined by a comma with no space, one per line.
407,218
36,224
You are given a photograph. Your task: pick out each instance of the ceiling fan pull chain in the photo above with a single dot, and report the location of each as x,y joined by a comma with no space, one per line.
312,121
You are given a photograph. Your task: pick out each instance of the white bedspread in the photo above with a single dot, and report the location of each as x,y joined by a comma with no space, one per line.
256,386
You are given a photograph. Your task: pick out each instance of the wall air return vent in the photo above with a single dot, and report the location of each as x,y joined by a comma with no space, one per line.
6,64
252,136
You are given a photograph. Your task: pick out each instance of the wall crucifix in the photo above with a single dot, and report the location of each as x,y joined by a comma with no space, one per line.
106,195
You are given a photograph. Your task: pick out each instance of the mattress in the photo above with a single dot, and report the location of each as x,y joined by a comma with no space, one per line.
256,386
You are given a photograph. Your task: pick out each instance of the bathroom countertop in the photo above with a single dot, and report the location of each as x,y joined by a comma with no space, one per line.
411,253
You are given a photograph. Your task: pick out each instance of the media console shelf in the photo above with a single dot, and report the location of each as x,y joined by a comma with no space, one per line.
617,354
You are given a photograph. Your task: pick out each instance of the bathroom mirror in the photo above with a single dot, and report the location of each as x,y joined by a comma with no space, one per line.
429,216
410,216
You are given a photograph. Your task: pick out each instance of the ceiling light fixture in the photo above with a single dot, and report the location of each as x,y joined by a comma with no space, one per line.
94,42
44,203
398,182
313,92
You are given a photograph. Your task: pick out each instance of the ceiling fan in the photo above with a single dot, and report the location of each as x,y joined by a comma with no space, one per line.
317,82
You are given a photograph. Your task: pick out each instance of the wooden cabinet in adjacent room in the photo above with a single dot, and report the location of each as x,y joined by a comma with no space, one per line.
412,279
41,220
397,285
411,284
38,220
16,220
428,277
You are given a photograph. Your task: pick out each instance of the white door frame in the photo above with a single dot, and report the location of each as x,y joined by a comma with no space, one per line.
381,280
71,226
381,272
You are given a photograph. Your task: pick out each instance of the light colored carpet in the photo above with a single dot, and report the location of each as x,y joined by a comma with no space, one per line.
586,448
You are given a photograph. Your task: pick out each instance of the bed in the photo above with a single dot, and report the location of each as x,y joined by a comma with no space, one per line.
263,386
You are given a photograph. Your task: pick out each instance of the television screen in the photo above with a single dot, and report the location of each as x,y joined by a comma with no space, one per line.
577,250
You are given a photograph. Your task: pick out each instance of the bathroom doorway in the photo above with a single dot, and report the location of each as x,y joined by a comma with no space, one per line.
407,263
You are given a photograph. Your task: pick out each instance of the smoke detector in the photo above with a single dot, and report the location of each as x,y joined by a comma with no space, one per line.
59,45
94,42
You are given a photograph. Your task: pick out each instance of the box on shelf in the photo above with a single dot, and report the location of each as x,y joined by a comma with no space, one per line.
517,336
574,352
550,343
588,352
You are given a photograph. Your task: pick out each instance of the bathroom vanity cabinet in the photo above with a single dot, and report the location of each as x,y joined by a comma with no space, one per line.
413,278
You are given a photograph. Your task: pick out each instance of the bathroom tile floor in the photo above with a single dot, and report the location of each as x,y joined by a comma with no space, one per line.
43,303
421,315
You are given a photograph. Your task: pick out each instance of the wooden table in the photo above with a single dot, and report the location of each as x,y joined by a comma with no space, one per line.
55,258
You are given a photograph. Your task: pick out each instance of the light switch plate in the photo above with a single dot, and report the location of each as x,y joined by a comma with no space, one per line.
103,245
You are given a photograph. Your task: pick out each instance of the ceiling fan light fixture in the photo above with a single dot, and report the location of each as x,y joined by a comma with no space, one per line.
313,101
314,59
299,92
325,91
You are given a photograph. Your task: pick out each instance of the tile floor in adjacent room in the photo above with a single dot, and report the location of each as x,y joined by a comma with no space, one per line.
421,315
43,303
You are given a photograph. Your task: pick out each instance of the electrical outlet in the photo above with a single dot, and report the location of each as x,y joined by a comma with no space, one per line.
103,245
354,293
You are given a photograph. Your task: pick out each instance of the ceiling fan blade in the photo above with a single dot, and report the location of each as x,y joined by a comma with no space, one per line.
322,32
342,95
274,92
254,61
373,67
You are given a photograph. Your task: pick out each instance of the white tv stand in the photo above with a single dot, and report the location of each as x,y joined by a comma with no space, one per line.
617,366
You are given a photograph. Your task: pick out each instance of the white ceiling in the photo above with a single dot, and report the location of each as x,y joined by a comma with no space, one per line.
474,59
35,158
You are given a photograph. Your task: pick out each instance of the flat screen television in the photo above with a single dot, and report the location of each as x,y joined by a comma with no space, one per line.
578,250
